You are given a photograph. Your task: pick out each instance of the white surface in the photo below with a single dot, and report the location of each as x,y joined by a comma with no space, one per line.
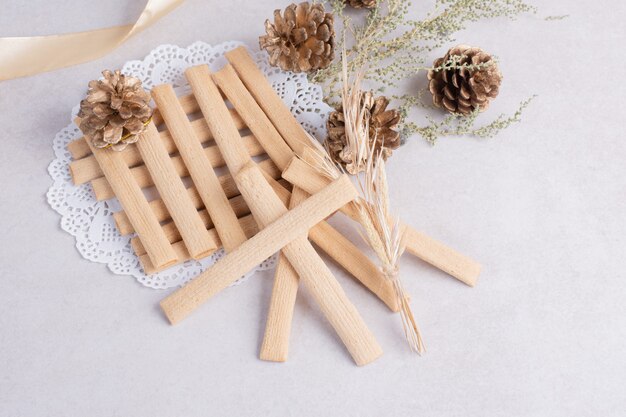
91,222
542,206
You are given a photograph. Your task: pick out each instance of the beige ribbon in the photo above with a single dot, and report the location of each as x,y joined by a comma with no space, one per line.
23,56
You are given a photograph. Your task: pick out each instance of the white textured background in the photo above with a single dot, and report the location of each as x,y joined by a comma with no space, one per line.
543,206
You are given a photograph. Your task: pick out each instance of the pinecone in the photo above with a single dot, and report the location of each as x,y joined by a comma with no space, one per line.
359,4
382,123
115,111
462,90
301,41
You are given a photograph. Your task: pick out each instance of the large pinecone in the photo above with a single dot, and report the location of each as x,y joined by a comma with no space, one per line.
462,90
115,110
382,123
302,40
359,4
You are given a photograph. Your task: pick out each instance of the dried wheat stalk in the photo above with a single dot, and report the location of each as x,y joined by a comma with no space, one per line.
383,232
379,228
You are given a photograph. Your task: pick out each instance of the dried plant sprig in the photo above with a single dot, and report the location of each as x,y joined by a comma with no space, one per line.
396,48
458,125
379,228
383,233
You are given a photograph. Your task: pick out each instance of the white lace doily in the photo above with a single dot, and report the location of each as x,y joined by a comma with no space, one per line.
91,222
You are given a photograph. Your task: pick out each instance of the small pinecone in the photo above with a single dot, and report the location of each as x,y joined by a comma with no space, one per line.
302,40
359,4
382,123
115,110
462,90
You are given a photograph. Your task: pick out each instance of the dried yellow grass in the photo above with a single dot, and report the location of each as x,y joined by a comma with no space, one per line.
379,228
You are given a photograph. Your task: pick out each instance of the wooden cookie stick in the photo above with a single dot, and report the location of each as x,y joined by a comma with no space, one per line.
256,120
174,195
136,206
262,91
441,256
199,167
275,346
187,102
253,251
429,250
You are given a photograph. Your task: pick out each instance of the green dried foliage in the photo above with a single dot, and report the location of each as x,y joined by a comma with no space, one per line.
392,48
457,125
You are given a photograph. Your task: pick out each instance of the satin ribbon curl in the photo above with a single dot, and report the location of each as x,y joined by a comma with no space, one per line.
24,56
